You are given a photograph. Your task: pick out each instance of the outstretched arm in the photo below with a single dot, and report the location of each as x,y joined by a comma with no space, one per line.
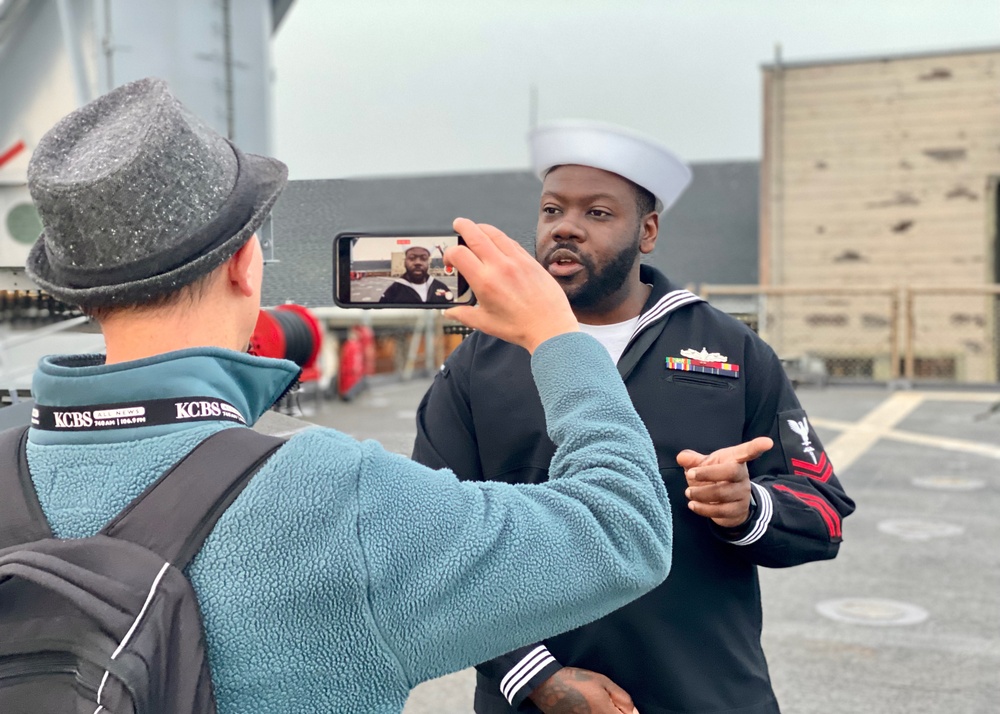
441,557
444,557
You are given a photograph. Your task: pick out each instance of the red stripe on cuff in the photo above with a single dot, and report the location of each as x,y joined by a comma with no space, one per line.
829,515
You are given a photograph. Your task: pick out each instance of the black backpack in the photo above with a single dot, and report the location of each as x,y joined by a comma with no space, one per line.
110,624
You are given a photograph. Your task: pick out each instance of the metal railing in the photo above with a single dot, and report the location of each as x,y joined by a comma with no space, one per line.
952,332
15,368
913,332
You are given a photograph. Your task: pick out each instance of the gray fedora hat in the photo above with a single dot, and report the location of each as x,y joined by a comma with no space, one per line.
138,197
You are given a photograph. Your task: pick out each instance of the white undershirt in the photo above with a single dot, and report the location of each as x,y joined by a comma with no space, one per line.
420,288
614,337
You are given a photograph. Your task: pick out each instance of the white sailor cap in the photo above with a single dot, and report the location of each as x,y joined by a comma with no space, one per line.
612,148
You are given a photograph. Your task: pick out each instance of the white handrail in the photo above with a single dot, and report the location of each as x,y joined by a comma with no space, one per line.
10,377
42,332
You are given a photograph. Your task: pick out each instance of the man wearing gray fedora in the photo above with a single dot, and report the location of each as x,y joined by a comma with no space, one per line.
342,575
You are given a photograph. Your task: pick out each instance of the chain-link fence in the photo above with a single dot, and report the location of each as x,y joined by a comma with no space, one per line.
919,333
821,334
952,333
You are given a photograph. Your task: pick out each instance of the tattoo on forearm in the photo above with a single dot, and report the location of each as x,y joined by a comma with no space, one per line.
559,698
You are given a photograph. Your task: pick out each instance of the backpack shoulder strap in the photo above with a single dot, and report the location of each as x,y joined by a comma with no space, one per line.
21,516
175,515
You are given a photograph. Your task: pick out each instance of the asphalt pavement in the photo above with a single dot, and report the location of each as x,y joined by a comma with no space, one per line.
907,618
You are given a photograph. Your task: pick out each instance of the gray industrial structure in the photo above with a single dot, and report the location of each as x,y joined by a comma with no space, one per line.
55,56
59,54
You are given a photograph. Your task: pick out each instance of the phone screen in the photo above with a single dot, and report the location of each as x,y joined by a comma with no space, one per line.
403,271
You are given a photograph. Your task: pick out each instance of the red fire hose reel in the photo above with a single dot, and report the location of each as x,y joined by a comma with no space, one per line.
289,332
357,361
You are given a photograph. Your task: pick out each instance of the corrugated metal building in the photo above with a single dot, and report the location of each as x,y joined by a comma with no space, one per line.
881,175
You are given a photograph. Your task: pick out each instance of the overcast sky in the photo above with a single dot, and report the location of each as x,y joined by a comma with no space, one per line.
385,87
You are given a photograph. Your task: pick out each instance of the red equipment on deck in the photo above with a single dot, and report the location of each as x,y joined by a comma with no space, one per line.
357,361
289,332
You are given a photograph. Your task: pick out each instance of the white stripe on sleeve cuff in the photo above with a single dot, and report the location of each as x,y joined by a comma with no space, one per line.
521,673
763,516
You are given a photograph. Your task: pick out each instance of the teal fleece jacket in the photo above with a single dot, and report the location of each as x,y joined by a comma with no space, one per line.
344,575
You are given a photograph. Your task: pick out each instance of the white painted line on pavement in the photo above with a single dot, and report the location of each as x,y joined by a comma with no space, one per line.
938,442
989,397
945,442
859,437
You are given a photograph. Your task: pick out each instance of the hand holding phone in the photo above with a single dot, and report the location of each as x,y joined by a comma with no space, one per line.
517,300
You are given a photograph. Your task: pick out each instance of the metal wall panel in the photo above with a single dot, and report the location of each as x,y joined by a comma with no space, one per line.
878,174
214,53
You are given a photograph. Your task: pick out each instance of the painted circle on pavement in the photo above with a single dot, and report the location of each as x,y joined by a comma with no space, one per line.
949,483
872,611
914,529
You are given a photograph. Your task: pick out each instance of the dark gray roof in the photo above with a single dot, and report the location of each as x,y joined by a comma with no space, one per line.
709,236
866,59
310,213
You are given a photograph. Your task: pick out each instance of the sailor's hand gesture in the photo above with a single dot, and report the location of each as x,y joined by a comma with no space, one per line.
719,483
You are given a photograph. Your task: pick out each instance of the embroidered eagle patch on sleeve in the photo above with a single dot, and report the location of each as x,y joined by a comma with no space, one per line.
804,454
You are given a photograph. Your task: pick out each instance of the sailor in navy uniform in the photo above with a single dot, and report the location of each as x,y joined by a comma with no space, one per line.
701,381
416,284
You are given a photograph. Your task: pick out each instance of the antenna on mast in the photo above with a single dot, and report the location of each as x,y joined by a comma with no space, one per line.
533,107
